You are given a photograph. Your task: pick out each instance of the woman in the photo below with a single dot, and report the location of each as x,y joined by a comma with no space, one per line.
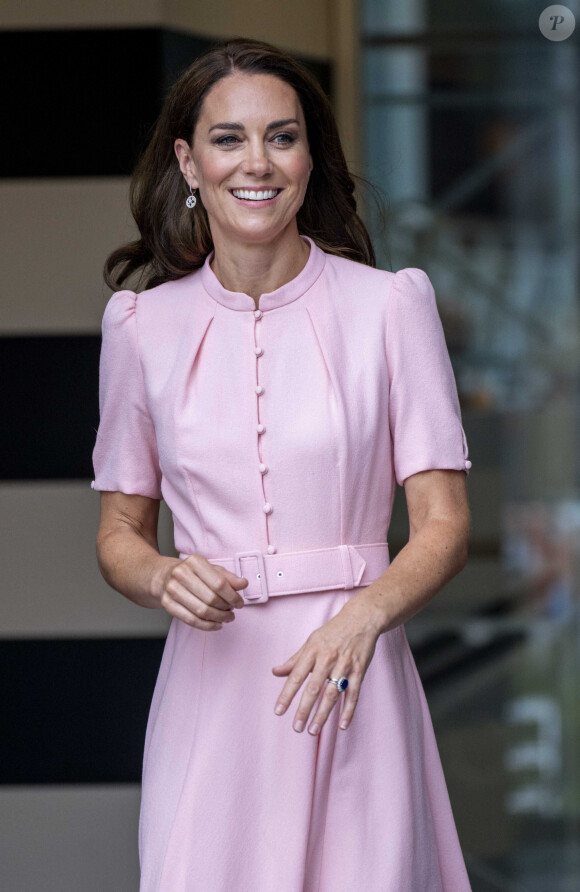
272,385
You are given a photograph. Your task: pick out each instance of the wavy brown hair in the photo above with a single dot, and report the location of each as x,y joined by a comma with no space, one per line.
174,240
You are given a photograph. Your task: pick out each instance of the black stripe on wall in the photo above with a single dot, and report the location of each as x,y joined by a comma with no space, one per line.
49,405
75,711
81,102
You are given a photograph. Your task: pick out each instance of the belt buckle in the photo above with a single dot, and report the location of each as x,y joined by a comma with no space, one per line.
252,599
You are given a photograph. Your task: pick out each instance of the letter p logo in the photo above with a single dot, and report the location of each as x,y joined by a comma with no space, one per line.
557,22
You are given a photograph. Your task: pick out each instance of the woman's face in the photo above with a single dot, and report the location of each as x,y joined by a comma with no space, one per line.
250,135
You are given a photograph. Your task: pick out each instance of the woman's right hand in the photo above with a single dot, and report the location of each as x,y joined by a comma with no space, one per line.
200,593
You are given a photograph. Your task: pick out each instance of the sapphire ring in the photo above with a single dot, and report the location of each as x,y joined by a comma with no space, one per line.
341,683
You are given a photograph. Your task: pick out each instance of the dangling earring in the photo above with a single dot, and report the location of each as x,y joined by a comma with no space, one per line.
191,200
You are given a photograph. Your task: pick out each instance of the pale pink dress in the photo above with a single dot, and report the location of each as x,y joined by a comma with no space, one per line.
358,393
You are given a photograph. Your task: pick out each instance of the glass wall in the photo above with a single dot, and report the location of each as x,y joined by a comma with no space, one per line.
471,133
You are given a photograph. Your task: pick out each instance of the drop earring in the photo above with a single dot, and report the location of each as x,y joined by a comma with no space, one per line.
191,200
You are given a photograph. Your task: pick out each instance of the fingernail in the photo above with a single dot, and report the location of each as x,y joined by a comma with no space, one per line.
344,724
314,729
298,726
279,709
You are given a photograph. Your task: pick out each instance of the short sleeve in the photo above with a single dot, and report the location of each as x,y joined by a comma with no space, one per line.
125,457
424,413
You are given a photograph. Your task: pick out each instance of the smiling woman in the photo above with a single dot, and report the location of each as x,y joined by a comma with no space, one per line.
273,387
297,121
261,169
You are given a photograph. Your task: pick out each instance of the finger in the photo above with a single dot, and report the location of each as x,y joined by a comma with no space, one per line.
297,675
331,697
219,580
315,686
176,592
180,612
209,582
285,668
350,700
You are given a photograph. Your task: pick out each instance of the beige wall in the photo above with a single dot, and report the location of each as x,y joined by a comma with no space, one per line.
344,52
52,259
81,14
300,26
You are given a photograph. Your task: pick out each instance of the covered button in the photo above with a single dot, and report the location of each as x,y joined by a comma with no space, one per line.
261,428
467,464
267,508
271,549
258,351
259,389
257,314
263,468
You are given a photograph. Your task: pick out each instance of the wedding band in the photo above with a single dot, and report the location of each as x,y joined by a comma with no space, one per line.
341,683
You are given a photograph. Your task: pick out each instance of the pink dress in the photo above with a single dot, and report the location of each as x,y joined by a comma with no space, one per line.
276,431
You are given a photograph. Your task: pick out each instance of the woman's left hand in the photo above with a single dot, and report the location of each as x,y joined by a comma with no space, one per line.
345,645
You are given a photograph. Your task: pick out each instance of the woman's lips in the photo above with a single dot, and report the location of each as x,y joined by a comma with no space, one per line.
249,202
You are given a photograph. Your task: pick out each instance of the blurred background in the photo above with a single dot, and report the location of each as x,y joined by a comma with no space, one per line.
465,118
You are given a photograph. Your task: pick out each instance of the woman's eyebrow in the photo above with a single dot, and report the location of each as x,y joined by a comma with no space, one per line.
235,126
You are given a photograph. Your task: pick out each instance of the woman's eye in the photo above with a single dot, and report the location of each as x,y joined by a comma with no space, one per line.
288,139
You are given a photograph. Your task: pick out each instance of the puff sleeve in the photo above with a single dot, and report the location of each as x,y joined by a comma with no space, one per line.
125,456
424,413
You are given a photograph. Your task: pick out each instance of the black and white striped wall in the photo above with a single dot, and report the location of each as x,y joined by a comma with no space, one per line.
78,91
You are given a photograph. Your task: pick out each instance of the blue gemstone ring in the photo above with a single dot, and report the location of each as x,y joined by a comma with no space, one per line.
341,683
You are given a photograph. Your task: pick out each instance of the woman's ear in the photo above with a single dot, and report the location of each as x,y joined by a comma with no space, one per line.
186,164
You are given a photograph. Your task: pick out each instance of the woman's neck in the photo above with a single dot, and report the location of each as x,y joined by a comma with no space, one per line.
260,269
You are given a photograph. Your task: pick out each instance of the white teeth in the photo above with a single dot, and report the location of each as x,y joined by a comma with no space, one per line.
254,196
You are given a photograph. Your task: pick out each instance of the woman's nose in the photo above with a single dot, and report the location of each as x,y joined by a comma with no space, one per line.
256,157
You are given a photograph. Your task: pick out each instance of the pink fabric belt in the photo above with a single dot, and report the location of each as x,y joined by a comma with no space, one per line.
298,572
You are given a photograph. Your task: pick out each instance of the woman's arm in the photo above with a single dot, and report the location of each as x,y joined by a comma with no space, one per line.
127,548
439,527
194,590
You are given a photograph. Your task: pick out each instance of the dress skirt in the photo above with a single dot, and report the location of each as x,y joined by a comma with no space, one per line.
235,800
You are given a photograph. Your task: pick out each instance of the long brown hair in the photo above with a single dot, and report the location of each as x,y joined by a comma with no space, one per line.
175,240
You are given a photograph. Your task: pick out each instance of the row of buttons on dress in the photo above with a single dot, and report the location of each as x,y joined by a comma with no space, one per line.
261,428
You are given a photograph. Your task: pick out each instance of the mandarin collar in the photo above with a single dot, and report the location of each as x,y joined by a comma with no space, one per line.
239,300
